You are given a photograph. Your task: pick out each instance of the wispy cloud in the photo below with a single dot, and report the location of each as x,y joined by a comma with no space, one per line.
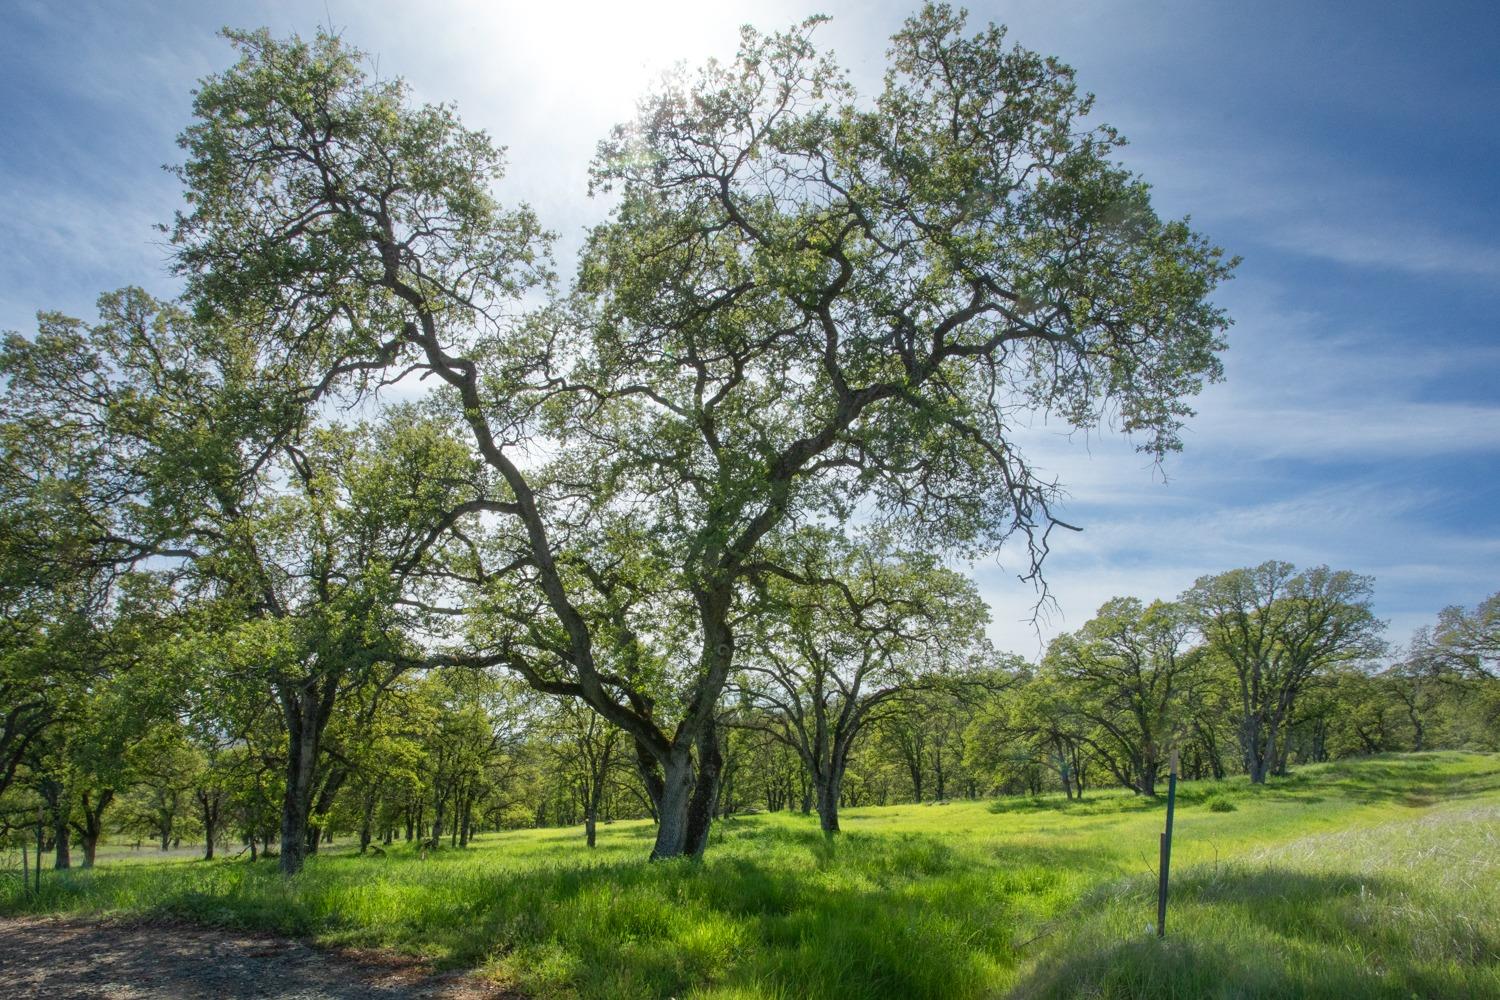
1389,246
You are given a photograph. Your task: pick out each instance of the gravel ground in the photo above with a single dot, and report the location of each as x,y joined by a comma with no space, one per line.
66,960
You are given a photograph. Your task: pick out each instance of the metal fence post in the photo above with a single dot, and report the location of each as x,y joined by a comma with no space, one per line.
1166,851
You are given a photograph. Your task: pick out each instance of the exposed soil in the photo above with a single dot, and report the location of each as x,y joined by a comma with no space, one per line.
70,960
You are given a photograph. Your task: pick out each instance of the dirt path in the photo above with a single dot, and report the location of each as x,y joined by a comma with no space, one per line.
62,960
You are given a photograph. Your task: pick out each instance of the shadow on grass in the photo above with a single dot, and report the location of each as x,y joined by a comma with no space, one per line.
1250,933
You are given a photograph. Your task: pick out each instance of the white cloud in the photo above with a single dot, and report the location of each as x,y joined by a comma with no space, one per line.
1389,244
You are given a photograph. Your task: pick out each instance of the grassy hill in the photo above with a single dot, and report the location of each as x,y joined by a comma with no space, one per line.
1378,877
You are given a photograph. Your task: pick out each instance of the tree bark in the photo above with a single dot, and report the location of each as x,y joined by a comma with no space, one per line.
677,789
303,735
650,773
829,787
92,826
705,797
210,805
62,858
1256,758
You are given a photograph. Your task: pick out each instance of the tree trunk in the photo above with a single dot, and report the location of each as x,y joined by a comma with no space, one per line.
62,858
366,820
649,769
1150,769
591,810
93,824
438,804
677,790
828,802
210,802
705,797
1257,760
301,759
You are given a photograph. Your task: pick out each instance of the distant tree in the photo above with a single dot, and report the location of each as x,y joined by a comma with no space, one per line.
1210,705
1030,728
1279,628
856,631
296,538
1367,717
1418,690
1126,674
588,753
165,767
1467,641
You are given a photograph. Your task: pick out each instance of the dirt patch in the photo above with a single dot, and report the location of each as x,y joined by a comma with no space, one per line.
68,960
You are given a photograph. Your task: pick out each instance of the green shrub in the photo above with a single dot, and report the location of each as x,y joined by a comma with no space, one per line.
1220,804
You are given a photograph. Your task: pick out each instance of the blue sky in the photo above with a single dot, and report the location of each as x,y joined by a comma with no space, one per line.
1346,151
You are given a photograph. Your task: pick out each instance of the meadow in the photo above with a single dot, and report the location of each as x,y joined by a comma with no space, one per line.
1367,878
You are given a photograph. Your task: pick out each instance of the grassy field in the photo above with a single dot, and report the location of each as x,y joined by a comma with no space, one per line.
1370,878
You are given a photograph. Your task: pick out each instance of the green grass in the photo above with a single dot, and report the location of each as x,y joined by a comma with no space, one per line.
1365,878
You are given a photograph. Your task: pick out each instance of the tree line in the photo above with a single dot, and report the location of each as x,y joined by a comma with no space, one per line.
817,722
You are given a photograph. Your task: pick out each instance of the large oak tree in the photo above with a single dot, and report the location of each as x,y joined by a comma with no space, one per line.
804,304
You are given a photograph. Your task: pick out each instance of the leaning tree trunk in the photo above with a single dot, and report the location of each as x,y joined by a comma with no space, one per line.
320,805
649,770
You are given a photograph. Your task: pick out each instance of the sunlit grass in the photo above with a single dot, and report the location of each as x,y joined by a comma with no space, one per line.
1367,878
